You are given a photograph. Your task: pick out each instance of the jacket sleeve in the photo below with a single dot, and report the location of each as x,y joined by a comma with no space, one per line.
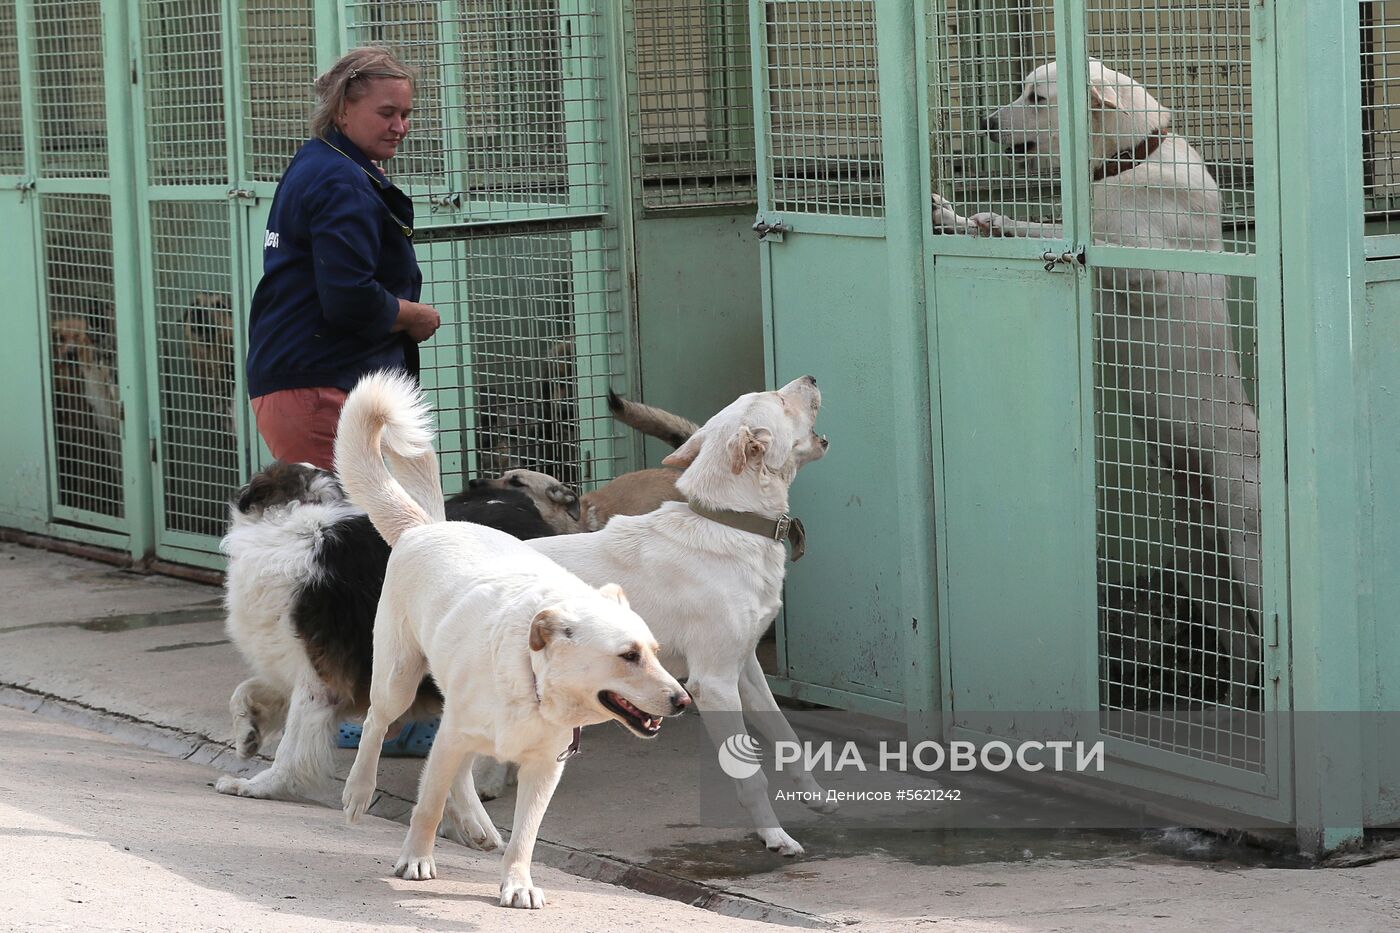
345,246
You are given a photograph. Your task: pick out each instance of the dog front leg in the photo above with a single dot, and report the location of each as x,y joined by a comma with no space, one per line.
537,783
763,711
721,711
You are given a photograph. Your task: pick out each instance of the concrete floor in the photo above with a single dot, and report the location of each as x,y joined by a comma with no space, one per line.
146,656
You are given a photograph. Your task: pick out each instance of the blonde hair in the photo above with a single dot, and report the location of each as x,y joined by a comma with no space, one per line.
348,80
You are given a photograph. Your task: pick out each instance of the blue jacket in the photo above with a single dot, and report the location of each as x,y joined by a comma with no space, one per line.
336,259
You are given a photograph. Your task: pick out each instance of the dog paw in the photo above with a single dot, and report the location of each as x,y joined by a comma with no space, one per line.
780,842
491,777
986,224
241,787
818,803
355,801
521,894
228,784
249,743
947,219
415,868
468,832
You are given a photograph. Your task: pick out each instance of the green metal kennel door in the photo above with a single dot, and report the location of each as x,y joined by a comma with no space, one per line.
508,164
194,291
821,96
1111,519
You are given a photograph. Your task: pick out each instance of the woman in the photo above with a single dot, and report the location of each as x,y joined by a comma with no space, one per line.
340,286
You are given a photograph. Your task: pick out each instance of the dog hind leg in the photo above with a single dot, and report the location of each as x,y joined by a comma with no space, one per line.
259,711
303,765
397,670
763,711
440,773
467,821
717,698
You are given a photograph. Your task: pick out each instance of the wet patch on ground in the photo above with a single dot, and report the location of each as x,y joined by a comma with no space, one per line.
745,857
210,611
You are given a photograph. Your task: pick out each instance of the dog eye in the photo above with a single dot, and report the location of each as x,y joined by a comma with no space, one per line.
631,657
516,481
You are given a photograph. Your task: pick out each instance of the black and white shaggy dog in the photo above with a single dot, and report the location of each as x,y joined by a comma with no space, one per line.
304,573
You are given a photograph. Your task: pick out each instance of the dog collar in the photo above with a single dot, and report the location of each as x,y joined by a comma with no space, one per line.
574,746
1125,159
784,527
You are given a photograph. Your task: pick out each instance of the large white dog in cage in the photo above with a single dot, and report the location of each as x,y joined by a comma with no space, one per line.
1165,336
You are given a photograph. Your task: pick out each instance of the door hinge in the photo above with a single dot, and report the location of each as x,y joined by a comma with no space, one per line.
244,194
1273,634
134,77
770,232
153,450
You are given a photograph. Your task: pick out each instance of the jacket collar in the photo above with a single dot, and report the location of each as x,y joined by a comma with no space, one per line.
341,143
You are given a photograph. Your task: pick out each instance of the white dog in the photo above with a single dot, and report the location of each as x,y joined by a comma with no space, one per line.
710,589
1166,335
523,652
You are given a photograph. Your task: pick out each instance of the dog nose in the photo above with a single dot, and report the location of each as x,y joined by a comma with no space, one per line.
473,483
989,123
811,380
679,702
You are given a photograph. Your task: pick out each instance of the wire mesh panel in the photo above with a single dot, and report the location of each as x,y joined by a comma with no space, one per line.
509,96
530,343
1172,88
1178,475
11,127
69,89
279,69
824,129
182,49
983,53
423,38
693,102
1380,108
194,324
87,408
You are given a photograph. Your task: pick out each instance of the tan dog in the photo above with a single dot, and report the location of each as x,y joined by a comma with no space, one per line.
85,379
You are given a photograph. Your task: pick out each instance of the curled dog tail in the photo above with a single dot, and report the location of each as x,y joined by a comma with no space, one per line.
386,416
673,429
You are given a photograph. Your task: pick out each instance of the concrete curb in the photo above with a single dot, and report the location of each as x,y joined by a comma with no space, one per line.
201,749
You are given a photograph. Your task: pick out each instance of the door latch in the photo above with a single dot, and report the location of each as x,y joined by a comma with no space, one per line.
1053,259
773,232
241,194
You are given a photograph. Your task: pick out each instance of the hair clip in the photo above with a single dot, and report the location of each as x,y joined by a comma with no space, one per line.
354,73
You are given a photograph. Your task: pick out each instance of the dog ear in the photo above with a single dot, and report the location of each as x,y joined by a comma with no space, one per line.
685,455
746,446
544,627
614,592
1103,96
560,494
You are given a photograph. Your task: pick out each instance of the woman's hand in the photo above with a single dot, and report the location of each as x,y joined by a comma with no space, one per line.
419,321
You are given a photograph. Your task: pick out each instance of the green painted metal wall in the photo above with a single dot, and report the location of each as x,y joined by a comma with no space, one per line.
699,312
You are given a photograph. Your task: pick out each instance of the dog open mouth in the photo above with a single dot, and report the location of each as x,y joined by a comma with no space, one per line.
644,724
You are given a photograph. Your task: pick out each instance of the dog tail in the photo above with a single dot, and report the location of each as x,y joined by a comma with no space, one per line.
386,416
673,429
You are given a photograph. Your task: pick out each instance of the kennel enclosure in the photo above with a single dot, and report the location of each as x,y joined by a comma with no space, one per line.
686,200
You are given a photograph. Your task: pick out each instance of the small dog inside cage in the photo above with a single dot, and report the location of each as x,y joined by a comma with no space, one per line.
527,410
208,333
1166,338
85,383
